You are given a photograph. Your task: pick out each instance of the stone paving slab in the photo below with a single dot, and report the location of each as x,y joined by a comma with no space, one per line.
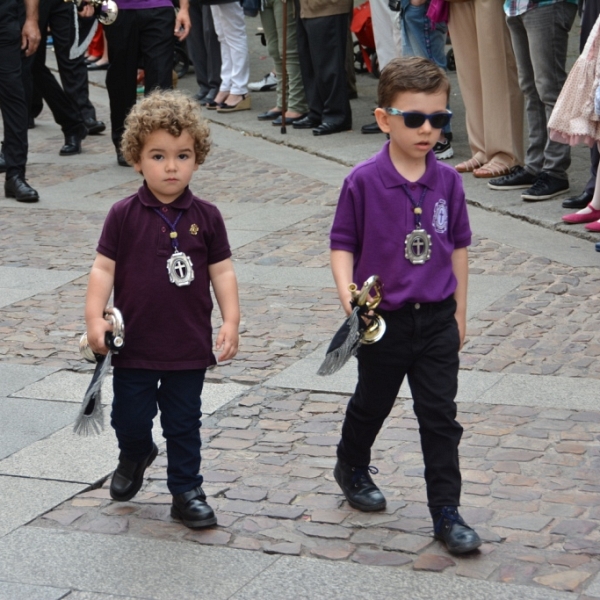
19,284
14,376
19,591
106,563
306,579
25,421
24,499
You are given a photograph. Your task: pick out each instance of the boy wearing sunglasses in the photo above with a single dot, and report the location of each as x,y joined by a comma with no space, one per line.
402,215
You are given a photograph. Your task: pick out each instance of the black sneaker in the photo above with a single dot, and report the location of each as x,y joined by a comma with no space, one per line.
545,187
443,150
358,487
449,527
517,179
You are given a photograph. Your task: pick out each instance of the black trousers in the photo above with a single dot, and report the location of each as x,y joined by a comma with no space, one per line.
421,342
13,104
137,398
204,49
322,48
59,16
145,34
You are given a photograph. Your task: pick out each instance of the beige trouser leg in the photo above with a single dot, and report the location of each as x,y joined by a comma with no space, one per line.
487,76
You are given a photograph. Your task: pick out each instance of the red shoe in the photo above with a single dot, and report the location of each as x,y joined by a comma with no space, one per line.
595,227
577,219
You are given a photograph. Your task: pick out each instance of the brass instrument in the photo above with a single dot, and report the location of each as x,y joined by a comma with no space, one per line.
369,297
106,11
115,339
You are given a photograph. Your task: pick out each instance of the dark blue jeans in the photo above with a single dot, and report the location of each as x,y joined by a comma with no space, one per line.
138,394
421,342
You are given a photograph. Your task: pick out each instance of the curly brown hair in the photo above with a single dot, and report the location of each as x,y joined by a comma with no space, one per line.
410,74
169,110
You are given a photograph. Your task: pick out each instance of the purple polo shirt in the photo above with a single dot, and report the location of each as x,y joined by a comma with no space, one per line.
374,215
166,327
141,4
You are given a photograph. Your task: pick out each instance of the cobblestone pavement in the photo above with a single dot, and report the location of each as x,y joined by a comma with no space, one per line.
530,475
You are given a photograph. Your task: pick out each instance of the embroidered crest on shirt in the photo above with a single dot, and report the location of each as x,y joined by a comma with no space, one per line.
440,216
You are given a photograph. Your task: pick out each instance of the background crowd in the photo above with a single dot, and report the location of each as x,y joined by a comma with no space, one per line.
510,60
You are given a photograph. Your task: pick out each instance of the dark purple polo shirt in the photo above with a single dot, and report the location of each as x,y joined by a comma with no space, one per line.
374,215
166,327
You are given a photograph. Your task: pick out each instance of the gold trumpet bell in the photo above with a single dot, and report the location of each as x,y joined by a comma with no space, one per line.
374,332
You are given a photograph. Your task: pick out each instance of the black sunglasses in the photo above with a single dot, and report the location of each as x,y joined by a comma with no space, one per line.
413,120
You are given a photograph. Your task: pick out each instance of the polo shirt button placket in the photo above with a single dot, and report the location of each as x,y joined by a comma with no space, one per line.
417,306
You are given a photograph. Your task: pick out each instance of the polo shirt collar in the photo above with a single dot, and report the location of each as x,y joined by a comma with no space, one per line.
147,198
390,176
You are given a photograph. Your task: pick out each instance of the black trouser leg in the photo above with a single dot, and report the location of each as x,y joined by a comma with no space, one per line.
204,49
422,343
157,46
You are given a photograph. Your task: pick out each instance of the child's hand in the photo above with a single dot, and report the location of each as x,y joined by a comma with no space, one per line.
227,341
96,332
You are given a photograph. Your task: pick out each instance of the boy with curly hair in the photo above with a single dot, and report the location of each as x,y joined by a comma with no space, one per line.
160,250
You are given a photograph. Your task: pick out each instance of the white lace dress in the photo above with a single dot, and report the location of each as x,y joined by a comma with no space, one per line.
573,120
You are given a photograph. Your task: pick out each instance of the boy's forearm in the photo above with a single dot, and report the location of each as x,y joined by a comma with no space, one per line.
99,288
224,284
342,266
460,268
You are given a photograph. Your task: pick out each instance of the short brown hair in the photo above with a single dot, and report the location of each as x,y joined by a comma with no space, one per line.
410,74
169,110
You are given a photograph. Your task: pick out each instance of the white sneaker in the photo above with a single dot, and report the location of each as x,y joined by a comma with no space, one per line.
266,84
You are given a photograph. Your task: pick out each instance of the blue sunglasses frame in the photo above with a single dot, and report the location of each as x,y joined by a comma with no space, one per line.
414,120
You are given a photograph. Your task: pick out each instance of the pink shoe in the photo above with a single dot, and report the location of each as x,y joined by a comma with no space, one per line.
595,226
576,219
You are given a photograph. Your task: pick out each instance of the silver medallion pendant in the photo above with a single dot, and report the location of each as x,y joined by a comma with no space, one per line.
418,247
179,267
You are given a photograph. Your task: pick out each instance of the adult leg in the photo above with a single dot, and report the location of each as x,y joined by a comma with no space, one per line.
122,40
180,405
534,107
328,54
269,25
226,60
197,50
157,45
383,32
502,100
548,34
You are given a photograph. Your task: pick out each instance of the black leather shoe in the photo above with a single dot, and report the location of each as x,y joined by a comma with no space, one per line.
371,128
94,127
72,145
306,123
121,160
578,202
358,487
449,527
2,163
16,187
128,476
192,510
269,115
329,128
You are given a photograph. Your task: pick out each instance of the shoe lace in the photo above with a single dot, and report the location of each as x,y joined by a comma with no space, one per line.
540,182
364,473
448,513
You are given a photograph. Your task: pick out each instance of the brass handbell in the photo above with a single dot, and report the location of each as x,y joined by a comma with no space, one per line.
115,339
106,10
369,297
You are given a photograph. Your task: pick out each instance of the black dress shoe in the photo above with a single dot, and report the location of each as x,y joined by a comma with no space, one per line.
329,128
306,123
2,163
16,187
128,476
72,145
371,128
358,487
94,127
269,115
449,527
192,510
578,202
288,120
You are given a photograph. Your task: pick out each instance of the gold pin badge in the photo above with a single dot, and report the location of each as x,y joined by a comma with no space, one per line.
194,229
